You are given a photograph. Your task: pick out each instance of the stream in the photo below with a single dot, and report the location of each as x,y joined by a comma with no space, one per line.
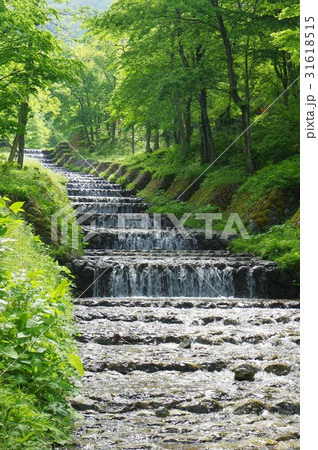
167,327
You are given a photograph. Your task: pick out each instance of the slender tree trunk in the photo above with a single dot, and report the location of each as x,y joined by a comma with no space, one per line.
181,131
19,140
285,79
21,150
246,113
247,137
188,124
283,76
92,134
133,139
14,148
233,89
167,138
148,139
156,141
113,138
208,148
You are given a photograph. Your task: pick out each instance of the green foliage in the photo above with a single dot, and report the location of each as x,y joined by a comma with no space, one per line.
44,194
284,175
31,60
36,335
280,244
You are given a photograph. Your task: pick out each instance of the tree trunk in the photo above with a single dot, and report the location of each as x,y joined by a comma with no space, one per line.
14,148
283,76
133,139
181,131
233,89
21,150
208,149
148,140
246,114
113,138
247,137
167,138
188,125
156,141
20,136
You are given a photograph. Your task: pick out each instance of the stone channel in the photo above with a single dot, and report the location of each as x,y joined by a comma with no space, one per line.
185,345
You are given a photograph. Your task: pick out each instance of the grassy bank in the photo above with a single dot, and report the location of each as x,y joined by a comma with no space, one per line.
38,360
37,353
43,193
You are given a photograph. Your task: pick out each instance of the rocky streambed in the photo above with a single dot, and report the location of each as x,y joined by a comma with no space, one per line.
185,346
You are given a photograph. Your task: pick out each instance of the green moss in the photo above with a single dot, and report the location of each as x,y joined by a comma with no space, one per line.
269,197
295,220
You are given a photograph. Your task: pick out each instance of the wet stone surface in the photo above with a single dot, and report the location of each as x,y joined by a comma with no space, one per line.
181,372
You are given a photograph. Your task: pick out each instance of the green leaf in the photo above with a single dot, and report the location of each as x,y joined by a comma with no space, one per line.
3,230
16,207
34,322
76,362
61,289
9,352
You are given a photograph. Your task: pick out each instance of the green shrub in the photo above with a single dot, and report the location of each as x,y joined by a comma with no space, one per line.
38,360
280,244
283,175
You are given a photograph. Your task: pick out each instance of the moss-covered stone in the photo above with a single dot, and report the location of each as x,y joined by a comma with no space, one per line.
120,172
140,182
183,189
102,167
210,195
63,160
63,146
295,220
129,176
272,208
110,170
158,184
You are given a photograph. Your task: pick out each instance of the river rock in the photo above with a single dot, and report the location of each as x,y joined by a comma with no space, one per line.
250,406
278,369
203,406
82,403
162,412
245,372
286,407
186,344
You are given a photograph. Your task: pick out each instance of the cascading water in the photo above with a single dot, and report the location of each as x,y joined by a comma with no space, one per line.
165,322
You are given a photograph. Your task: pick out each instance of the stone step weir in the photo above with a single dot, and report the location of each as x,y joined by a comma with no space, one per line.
97,207
185,345
114,220
97,192
106,199
177,273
